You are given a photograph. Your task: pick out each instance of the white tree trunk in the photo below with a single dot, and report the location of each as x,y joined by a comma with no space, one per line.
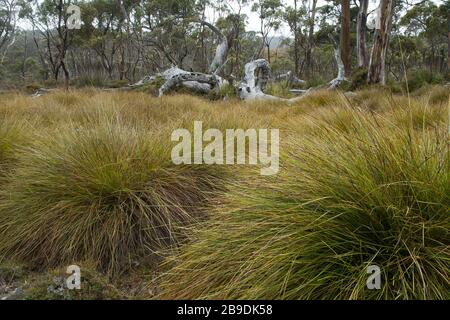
336,82
361,47
381,42
221,50
251,88
196,82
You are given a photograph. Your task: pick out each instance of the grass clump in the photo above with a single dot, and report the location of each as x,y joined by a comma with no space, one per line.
108,193
363,192
12,135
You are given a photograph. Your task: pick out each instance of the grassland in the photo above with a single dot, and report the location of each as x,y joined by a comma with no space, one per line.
86,178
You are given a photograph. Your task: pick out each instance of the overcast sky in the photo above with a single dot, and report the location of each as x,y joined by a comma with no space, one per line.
253,19
253,23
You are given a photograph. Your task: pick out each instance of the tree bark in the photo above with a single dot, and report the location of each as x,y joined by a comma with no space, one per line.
312,18
381,42
251,88
361,47
197,82
296,69
221,50
336,82
448,42
345,37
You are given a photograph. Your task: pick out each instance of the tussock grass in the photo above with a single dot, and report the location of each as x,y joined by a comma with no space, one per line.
355,189
13,134
107,194
86,176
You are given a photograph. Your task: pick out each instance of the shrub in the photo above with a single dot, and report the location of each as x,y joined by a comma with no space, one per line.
90,81
359,79
354,192
419,78
32,87
107,194
435,94
279,89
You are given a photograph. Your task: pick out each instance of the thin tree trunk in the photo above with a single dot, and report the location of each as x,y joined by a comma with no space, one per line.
295,40
361,34
345,37
66,75
381,42
310,38
448,42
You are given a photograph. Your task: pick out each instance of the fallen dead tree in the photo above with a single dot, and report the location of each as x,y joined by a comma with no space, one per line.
194,81
251,88
291,78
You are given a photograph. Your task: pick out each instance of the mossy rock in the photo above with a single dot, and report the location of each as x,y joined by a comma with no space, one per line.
52,286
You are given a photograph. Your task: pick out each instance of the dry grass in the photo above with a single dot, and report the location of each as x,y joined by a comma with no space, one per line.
357,188
87,176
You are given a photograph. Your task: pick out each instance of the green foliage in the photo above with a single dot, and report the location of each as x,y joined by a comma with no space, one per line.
419,78
359,79
89,81
279,89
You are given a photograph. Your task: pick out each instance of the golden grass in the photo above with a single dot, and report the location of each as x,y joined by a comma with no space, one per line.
86,175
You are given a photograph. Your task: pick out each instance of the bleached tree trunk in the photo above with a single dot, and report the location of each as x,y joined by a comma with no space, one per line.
251,88
336,82
194,81
381,42
310,44
197,82
291,78
221,50
345,37
361,47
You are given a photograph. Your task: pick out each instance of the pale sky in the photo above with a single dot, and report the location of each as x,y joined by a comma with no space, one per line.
253,23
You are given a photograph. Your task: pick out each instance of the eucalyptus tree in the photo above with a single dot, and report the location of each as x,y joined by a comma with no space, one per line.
51,19
270,15
7,24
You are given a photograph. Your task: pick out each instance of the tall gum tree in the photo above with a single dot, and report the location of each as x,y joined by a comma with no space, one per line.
383,26
361,47
345,37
